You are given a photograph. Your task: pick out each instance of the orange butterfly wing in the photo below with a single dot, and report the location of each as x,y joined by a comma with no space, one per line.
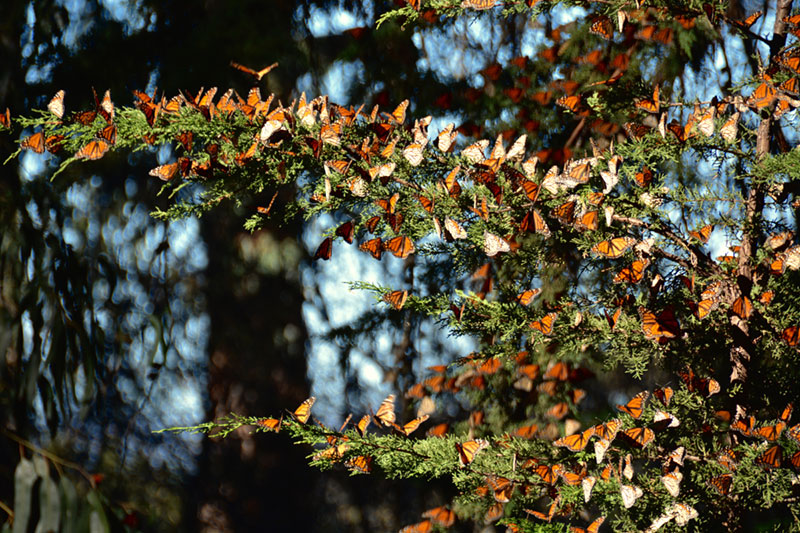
35,143
400,246
772,458
545,325
640,437
613,248
396,299
373,246
468,450
303,412
635,407
93,151
324,250
722,484
576,442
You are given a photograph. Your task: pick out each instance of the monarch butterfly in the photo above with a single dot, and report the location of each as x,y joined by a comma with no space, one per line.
531,190
613,319
54,143
664,326
533,222
413,154
385,414
56,104
409,427
93,151
439,430
613,248
549,474
5,119
400,246
730,129
722,483
704,307
257,74
744,426
608,430
526,297
565,213
373,246
468,450
728,459
427,203
794,433
273,424
550,512
577,173
636,131
573,102
772,458
454,229
346,231
526,432
388,204
398,116
594,527
426,526
501,487
662,420
676,457
664,395
770,433
749,21
363,424
587,484
474,153
763,96
630,493
303,411
84,117
323,251
602,27
650,105
441,516
576,442
35,143
786,414
791,335
478,4
396,299
108,134
494,513
493,245
632,273
635,406
794,460
792,62
545,325
639,437
588,221
558,411
372,224
572,478
359,463
446,138
703,233
742,307
627,470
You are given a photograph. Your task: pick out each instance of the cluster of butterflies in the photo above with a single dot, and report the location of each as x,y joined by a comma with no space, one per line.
105,136
385,417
